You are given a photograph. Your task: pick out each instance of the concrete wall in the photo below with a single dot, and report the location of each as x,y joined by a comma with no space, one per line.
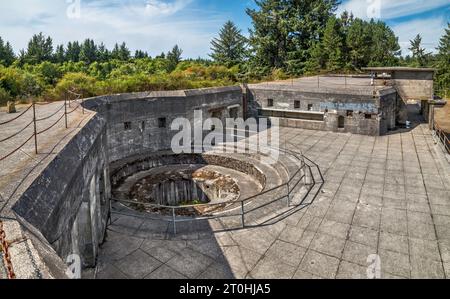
68,204
142,113
414,85
362,113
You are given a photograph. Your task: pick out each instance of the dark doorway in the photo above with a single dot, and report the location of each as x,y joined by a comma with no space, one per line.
341,122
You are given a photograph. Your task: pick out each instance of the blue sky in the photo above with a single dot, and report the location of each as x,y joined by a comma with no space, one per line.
157,25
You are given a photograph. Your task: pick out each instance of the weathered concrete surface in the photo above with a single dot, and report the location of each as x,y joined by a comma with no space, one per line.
442,117
387,195
52,204
411,83
143,112
19,171
338,104
404,166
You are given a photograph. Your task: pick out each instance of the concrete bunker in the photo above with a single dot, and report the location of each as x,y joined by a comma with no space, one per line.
67,206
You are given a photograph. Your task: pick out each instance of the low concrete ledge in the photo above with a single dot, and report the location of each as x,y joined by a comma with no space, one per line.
122,169
330,90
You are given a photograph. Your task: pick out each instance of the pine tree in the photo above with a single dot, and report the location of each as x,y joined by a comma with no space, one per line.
317,60
420,57
174,57
60,54
230,47
385,48
358,42
443,63
285,31
333,45
40,48
88,53
103,54
124,52
7,55
73,51
139,54
269,35
115,53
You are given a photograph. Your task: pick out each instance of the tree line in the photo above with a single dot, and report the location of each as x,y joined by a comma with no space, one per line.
288,38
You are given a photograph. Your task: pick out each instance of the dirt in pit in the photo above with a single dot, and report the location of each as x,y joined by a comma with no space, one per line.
214,184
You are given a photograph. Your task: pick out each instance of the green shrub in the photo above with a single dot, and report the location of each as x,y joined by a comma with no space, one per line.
78,83
49,72
4,97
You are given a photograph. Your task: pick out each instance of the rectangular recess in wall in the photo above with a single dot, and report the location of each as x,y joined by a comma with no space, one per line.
127,125
234,112
269,102
162,122
300,115
296,104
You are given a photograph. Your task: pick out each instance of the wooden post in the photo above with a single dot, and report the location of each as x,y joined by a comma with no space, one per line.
242,214
65,110
35,128
288,196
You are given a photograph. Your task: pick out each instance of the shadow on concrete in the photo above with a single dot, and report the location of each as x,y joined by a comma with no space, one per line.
414,116
138,246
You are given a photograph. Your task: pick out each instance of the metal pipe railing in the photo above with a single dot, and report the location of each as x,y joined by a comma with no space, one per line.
442,136
36,120
174,219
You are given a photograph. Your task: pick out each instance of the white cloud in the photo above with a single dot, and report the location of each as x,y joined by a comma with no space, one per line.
390,9
151,25
157,25
431,29
156,7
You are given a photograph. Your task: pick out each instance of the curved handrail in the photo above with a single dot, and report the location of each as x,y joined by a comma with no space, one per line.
176,219
442,136
151,205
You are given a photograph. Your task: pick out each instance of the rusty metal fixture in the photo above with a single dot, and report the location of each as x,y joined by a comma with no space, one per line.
6,256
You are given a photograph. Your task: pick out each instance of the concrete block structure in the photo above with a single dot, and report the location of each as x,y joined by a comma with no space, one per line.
411,84
350,111
67,205
355,104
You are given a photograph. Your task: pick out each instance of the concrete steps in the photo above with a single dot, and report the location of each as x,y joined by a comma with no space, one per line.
269,206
